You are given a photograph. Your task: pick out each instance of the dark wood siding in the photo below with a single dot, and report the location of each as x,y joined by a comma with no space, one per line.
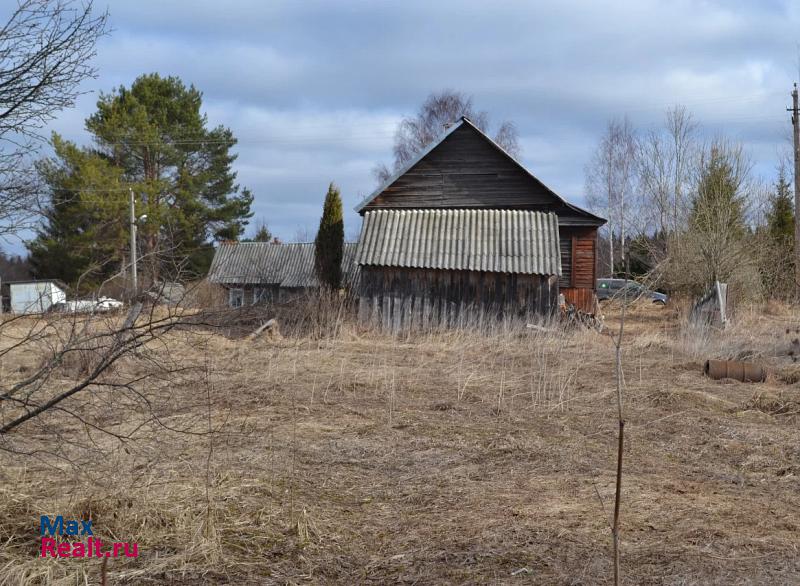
565,243
403,299
578,256
578,266
270,293
583,299
583,264
466,171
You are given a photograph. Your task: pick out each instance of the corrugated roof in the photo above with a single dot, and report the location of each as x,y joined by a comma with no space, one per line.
261,263
505,241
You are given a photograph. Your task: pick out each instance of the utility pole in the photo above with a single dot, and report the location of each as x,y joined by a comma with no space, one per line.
796,136
134,275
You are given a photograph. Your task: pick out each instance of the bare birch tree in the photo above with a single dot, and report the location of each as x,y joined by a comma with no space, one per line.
611,178
682,131
46,49
438,111
667,160
655,180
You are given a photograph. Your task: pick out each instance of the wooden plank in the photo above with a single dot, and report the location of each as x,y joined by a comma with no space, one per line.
363,310
375,311
386,313
397,314
466,171
574,268
403,299
405,321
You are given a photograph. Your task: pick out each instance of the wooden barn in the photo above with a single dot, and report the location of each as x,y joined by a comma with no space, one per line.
466,226
268,272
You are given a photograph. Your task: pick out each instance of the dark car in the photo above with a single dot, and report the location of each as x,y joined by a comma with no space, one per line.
615,288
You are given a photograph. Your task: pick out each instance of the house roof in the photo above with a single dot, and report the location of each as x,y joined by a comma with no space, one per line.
422,154
57,282
464,121
508,241
267,263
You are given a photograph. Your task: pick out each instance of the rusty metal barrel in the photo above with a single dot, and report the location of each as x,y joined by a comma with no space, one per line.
746,372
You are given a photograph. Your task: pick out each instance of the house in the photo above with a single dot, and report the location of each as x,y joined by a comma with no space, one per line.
33,296
466,226
270,272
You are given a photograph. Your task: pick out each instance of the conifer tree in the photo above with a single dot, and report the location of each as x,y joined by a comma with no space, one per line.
84,236
154,138
717,221
262,233
329,243
780,219
718,206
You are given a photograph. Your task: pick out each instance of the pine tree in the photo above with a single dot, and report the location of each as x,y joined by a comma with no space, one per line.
262,233
154,138
780,218
717,225
156,132
329,243
84,235
718,206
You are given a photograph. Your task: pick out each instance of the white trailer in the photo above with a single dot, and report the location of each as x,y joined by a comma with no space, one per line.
35,296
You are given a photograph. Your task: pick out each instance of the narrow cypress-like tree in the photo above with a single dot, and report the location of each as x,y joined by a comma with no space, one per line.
329,243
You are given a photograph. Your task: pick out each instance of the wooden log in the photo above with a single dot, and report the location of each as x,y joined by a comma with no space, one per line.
268,326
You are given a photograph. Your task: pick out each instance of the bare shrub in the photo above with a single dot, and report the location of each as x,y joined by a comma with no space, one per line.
203,294
317,313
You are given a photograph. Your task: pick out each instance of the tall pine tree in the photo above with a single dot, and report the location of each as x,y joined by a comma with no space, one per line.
156,139
84,235
329,243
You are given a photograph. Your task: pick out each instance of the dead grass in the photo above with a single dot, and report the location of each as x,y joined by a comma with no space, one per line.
445,458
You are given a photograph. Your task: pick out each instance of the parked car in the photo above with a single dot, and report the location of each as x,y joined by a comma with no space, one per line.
101,305
614,288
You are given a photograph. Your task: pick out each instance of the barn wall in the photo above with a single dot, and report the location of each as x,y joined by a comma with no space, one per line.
403,299
578,266
273,293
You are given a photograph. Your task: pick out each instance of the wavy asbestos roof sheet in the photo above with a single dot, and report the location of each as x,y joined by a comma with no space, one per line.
503,241
261,263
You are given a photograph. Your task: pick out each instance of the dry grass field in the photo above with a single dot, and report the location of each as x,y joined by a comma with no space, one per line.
450,458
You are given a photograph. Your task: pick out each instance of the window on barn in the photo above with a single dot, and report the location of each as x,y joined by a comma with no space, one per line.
235,297
261,295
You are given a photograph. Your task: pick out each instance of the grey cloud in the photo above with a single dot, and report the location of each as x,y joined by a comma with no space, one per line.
314,89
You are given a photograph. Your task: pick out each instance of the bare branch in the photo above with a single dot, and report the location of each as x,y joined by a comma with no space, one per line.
46,49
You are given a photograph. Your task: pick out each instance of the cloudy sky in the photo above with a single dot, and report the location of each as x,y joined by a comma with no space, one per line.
313,90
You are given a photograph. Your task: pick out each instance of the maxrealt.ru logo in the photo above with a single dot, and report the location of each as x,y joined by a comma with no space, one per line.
58,528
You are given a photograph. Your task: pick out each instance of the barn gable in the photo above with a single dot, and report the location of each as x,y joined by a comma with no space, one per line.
465,169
